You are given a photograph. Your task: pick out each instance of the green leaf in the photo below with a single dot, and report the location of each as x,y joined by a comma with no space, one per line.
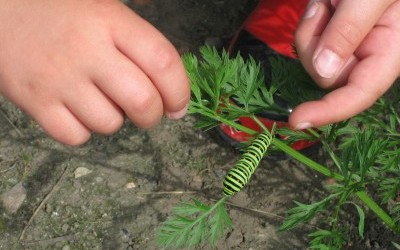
227,86
327,239
389,188
395,212
361,222
294,84
396,245
360,154
303,212
219,223
193,224
295,135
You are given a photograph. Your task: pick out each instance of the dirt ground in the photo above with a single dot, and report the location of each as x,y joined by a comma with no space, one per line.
135,177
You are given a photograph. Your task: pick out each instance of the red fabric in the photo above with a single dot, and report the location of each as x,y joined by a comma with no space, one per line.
274,22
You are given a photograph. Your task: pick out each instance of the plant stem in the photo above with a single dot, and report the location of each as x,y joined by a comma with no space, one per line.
307,161
363,196
222,200
371,204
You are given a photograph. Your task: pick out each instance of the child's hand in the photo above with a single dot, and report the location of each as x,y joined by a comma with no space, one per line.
79,66
352,46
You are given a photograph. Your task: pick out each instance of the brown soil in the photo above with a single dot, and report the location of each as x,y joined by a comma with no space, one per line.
138,175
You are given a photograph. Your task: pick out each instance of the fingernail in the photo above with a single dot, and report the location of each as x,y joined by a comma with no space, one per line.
327,63
177,115
303,125
311,9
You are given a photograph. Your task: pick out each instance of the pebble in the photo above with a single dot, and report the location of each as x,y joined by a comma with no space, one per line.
65,228
197,182
48,208
219,173
66,247
81,171
130,185
12,199
99,179
125,235
234,239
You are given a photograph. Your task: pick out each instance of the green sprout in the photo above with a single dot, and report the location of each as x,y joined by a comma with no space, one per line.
365,150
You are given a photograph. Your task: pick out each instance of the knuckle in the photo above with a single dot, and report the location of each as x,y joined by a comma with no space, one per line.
146,111
143,103
165,57
347,34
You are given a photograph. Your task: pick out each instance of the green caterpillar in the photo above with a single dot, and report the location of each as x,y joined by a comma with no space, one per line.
240,174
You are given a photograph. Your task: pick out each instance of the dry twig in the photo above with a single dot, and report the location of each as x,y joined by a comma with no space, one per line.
55,188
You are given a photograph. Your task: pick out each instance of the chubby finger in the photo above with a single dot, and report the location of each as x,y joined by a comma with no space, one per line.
349,25
93,108
157,57
59,122
129,88
368,81
307,38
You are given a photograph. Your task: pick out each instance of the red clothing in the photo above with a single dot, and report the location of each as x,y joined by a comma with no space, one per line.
274,22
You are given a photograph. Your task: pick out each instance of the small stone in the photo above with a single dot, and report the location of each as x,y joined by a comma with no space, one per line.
125,235
12,199
219,173
65,228
99,179
81,171
130,185
234,239
48,208
66,247
197,182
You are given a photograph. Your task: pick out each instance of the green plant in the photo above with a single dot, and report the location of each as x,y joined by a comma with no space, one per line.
365,149
194,224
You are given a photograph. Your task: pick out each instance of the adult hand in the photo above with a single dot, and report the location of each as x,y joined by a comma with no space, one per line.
353,47
80,66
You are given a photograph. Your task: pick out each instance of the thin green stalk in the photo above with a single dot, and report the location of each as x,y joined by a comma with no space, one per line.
211,114
259,123
311,164
307,161
371,204
222,200
327,147
363,196
302,158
